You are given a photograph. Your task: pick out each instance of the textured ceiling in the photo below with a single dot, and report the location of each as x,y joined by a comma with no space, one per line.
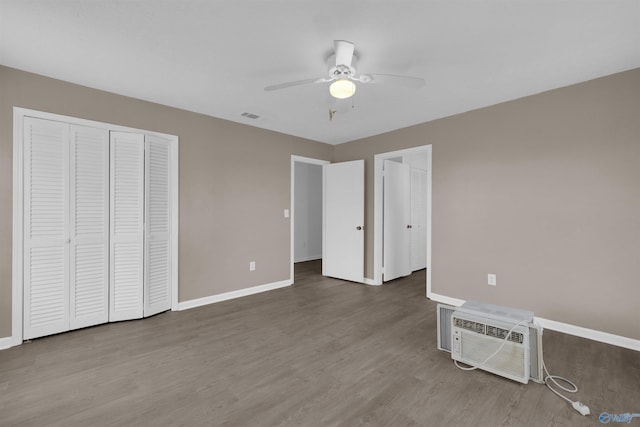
215,57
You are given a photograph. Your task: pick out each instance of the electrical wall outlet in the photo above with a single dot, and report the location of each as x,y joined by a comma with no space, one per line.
252,266
491,279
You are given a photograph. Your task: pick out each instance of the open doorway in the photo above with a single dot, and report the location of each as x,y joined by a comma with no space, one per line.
411,174
306,210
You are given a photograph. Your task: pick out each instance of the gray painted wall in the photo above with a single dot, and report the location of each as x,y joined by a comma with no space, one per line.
542,191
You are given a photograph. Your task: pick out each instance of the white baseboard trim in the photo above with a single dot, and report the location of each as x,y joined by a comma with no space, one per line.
185,305
308,258
8,342
370,282
566,328
591,334
445,299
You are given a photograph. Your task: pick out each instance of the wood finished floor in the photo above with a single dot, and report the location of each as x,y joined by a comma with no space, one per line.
320,353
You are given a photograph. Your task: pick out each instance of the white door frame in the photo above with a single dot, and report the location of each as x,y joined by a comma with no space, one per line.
18,209
378,208
292,215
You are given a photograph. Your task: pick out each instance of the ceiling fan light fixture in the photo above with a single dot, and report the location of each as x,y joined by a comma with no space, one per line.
342,88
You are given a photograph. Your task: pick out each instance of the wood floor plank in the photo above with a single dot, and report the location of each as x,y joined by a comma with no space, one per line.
322,352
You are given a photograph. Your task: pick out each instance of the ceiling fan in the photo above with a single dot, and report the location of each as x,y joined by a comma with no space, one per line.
342,71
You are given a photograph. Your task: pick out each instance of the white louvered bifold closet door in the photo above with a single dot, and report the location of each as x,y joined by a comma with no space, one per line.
89,243
126,228
46,227
157,274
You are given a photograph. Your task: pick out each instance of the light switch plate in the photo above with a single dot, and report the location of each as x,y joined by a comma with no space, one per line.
491,279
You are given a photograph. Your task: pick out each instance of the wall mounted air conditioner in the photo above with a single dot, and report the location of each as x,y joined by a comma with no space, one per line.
475,330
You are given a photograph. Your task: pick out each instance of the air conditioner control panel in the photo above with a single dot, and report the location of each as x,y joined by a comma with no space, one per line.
455,348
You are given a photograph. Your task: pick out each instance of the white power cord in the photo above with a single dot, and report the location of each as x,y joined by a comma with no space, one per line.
578,406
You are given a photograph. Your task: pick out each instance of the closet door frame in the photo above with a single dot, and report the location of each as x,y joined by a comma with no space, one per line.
17,272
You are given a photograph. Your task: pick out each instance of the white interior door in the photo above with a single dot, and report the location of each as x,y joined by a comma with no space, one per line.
343,220
157,260
397,225
46,227
418,219
126,228
89,229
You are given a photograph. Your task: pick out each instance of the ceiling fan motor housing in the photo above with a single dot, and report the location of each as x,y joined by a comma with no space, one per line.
342,70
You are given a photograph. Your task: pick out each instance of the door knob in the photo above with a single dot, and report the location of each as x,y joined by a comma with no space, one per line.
359,228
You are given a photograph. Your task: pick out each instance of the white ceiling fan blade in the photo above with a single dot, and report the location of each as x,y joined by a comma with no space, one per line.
392,79
297,83
344,52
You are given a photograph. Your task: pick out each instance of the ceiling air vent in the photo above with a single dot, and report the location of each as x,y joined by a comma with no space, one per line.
250,115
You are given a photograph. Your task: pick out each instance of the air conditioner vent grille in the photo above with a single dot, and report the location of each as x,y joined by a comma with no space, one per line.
469,325
489,330
500,333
